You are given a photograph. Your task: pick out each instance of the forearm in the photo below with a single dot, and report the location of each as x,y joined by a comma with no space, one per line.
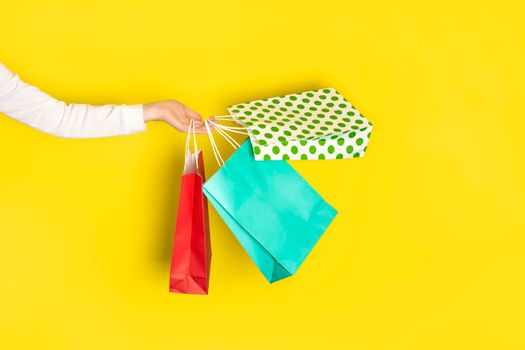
37,109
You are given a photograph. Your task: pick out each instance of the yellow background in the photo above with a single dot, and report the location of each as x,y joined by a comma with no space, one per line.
426,253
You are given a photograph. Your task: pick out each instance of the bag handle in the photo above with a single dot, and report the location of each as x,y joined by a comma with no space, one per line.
229,128
234,129
191,130
224,117
228,138
214,147
222,131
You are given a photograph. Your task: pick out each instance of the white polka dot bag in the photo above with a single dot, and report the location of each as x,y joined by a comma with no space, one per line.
311,125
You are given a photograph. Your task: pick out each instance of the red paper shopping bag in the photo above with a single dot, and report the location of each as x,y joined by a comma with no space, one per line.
190,261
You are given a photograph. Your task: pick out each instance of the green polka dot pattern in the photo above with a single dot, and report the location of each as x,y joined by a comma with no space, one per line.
312,125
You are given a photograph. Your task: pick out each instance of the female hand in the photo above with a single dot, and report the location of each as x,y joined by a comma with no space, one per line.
174,113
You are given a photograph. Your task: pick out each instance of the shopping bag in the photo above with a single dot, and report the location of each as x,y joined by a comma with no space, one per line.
272,211
319,124
191,257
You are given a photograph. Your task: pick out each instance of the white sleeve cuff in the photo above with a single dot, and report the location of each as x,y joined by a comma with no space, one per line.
134,118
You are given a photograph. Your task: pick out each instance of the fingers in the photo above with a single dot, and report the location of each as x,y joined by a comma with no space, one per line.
192,114
200,129
180,119
184,124
197,119
199,126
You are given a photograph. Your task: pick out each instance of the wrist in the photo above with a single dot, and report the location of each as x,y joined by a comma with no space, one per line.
152,112
147,111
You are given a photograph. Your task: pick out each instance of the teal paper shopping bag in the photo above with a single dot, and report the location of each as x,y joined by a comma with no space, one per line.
274,213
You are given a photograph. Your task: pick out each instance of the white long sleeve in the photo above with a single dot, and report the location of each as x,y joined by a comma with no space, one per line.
37,109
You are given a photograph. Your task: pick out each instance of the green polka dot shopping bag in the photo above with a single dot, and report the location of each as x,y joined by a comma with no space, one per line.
311,125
